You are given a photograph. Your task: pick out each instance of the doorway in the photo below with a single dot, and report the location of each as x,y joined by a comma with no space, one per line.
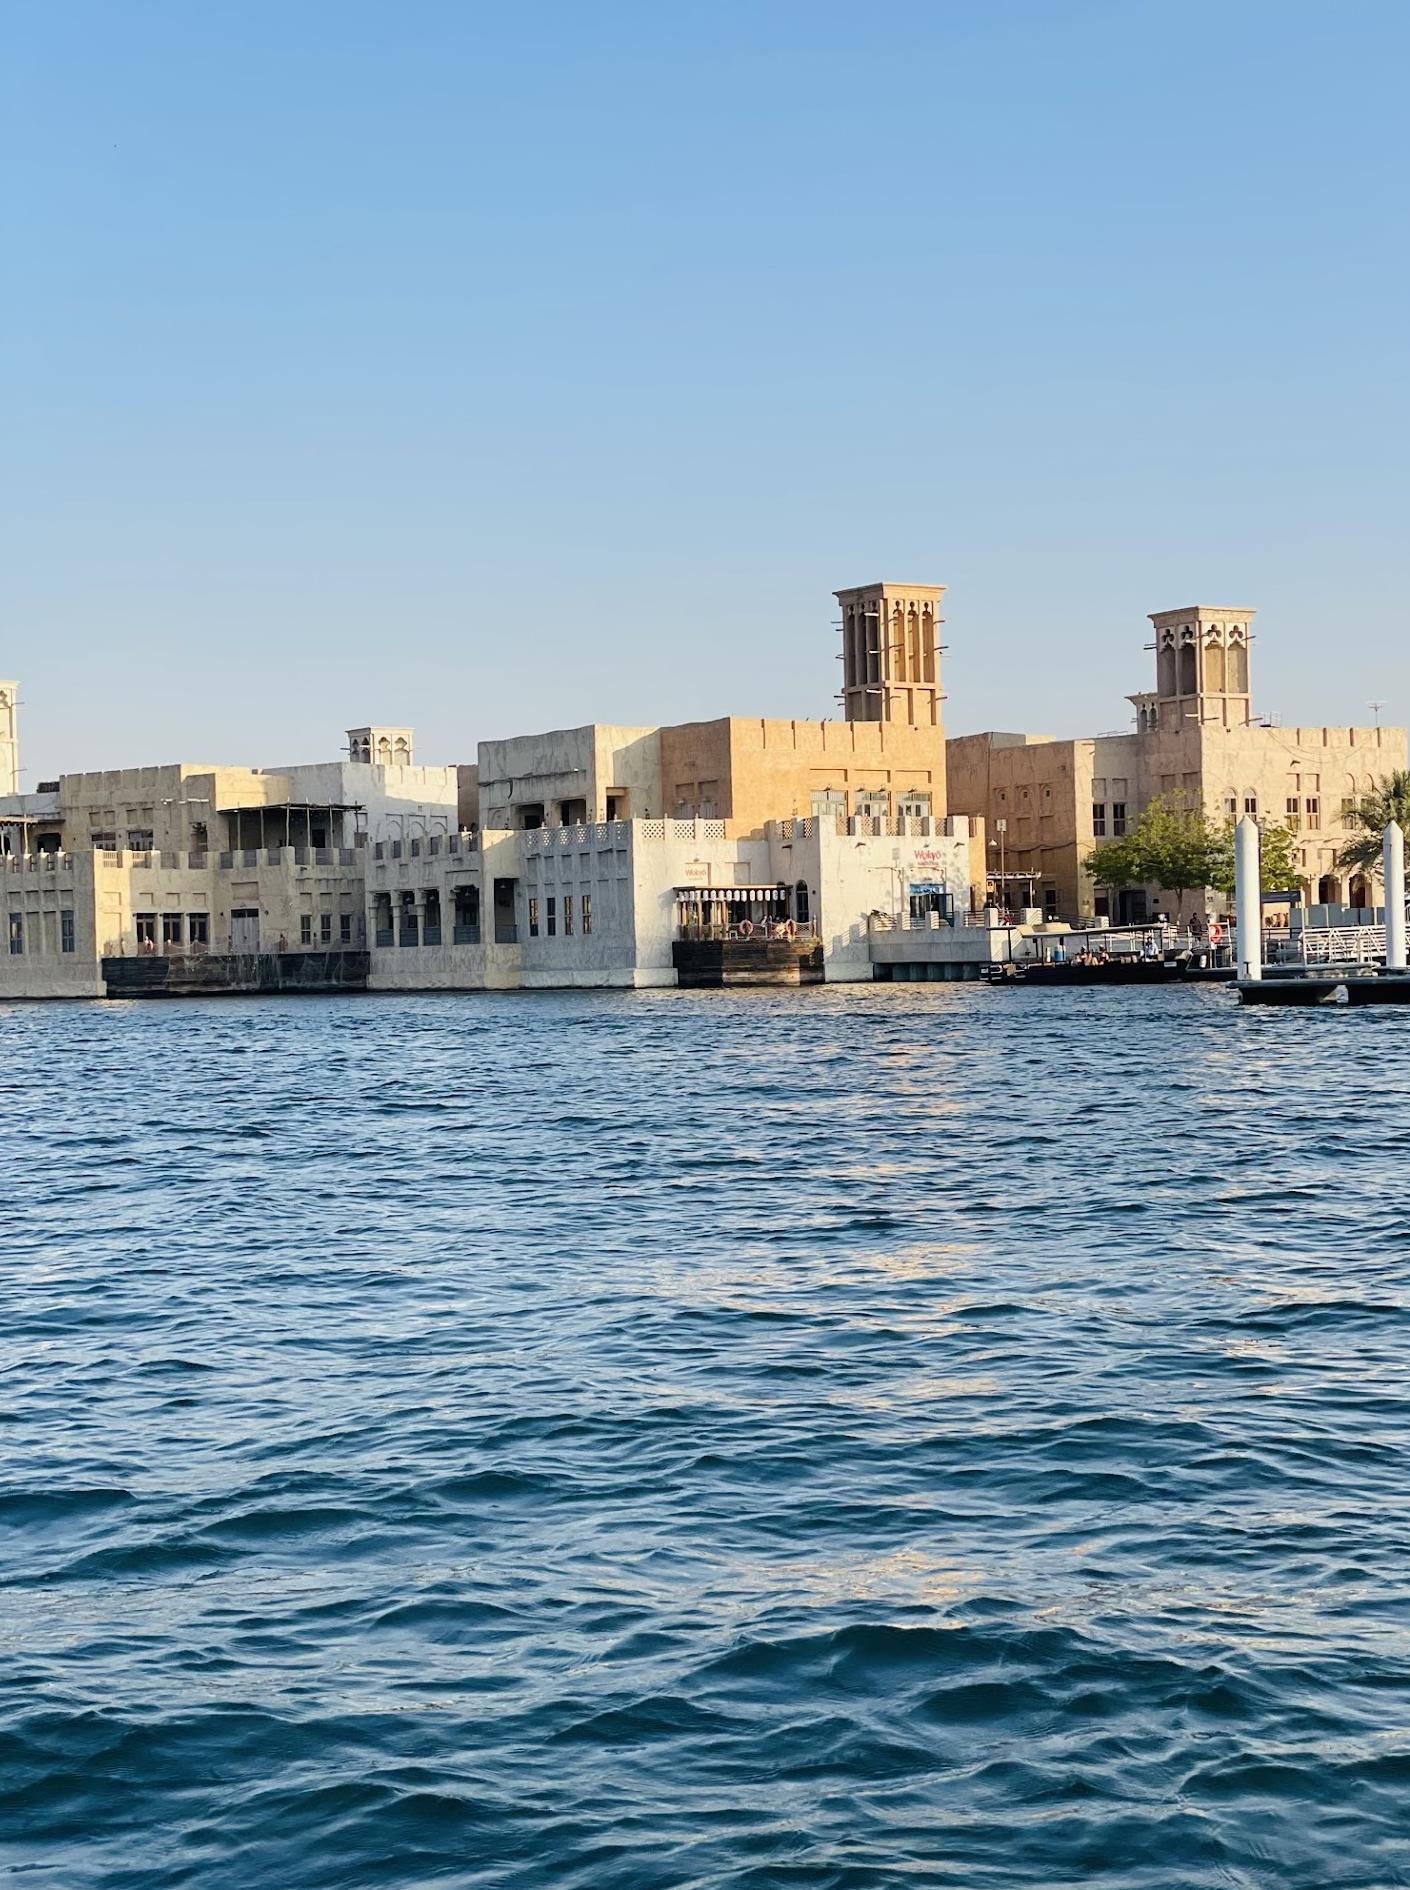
244,929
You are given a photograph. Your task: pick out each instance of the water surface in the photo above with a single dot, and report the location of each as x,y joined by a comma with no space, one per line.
873,1437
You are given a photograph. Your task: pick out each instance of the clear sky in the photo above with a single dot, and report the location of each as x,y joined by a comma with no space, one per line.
495,367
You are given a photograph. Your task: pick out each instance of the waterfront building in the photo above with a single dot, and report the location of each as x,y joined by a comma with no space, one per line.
1196,742
112,881
710,851
651,901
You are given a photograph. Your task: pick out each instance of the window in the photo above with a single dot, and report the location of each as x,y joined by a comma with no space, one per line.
171,930
551,910
65,931
533,917
1099,819
1118,818
139,839
146,924
1349,806
567,915
1251,806
1294,807
1313,810
16,935
1231,806
587,914
306,929
325,929
198,931
345,928
105,843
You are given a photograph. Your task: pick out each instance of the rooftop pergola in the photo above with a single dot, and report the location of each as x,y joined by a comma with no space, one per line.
288,815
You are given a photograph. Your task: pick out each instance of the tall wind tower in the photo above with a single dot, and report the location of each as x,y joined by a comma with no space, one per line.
891,654
9,738
1201,669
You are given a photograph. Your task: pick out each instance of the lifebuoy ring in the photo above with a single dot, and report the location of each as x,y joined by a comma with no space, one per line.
1216,933
746,928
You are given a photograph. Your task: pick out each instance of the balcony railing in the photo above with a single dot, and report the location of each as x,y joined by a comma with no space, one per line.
761,931
465,935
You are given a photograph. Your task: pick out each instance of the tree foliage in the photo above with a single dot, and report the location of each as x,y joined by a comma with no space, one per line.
1373,813
1278,870
1181,848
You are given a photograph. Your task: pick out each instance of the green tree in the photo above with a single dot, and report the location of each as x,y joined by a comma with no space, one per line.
1175,848
1278,870
1371,816
1182,849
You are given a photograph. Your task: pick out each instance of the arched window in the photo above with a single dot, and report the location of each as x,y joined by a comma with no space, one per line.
403,751
1166,672
384,752
1214,669
1237,671
1188,685
800,902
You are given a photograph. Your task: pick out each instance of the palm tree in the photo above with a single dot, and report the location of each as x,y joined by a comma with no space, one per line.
1370,817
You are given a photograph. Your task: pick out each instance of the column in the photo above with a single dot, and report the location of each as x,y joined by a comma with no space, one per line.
1248,904
1393,865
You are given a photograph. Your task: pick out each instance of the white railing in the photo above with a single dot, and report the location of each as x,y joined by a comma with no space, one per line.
604,833
765,931
580,834
1343,945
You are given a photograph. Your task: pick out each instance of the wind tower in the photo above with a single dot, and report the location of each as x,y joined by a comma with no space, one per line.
387,747
891,654
1201,669
9,738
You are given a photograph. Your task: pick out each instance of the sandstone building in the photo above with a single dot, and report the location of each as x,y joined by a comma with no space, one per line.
1196,742
593,855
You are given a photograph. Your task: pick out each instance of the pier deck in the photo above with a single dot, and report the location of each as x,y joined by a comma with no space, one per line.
1322,986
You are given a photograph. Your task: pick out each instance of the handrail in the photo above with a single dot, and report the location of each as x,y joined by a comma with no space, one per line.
765,932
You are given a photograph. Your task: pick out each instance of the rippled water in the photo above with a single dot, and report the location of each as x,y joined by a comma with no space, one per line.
840,1438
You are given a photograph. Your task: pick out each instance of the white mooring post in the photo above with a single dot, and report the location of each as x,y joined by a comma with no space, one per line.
1248,905
1393,873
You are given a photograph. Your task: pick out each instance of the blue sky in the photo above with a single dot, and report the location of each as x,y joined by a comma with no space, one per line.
493,368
